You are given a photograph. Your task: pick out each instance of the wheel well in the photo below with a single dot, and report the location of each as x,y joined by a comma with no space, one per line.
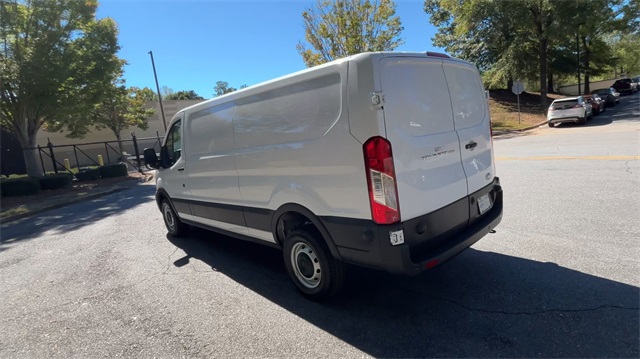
160,196
291,221
292,216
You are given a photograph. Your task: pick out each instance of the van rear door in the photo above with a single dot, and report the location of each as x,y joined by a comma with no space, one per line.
472,123
419,123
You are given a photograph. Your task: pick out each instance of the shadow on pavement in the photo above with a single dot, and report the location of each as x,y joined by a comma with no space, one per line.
75,216
481,304
601,120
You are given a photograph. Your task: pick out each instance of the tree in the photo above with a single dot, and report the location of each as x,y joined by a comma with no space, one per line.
626,53
120,109
145,93
166,92
526,27
184,95
531,39
222,87
56,60
339,28
484,33
597,18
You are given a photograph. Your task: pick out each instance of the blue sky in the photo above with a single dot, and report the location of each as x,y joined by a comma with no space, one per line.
196,43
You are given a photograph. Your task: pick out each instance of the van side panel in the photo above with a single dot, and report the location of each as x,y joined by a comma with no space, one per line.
294,146
213,179
365,119
420,127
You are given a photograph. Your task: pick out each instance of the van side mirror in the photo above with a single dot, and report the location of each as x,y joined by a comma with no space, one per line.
150,158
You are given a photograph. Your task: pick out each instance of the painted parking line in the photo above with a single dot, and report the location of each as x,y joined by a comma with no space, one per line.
562,158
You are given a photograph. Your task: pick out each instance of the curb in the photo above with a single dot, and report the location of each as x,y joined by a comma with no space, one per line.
74,201
520,129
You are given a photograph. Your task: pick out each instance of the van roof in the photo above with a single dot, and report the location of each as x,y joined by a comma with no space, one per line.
340,61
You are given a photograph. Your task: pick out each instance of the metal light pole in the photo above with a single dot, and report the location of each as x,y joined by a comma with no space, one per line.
153,64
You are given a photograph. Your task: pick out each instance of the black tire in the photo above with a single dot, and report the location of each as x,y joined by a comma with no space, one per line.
550,124
315,272
171,220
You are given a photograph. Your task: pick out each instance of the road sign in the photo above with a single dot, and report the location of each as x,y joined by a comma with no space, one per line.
517,88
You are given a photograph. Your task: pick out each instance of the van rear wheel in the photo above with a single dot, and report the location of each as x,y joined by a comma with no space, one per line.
171,220
314,271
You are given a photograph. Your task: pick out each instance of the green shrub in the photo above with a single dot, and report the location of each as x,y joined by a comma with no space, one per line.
22,186
17,176
60,172
60,180
115,170
89,174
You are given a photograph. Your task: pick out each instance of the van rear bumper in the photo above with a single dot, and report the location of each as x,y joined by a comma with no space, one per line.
429,240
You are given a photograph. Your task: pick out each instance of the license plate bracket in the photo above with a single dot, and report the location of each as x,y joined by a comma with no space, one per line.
484,203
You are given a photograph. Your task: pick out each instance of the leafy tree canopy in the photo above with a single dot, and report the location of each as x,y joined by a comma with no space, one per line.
335,29
184,95
121,109
57,59
145,93
222,88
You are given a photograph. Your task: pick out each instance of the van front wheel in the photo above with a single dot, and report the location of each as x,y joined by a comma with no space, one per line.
311,266
174,226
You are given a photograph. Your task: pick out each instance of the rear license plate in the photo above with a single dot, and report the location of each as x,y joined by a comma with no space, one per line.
484,203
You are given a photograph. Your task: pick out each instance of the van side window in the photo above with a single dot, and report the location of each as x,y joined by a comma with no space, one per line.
174,142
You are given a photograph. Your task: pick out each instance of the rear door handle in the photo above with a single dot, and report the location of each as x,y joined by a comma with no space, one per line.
471,145
181,169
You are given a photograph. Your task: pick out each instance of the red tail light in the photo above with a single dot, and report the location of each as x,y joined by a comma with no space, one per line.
381,179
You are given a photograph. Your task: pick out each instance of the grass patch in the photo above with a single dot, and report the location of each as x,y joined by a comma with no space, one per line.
14,211
504,118
503,107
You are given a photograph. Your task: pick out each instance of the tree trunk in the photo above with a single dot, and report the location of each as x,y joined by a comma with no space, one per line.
586,66
31,158
509,83
550,88
120,147
543,71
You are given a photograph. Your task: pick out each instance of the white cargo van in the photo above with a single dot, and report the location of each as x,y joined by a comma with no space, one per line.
383,160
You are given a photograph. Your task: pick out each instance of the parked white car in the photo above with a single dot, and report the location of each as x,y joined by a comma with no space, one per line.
571,109
383,160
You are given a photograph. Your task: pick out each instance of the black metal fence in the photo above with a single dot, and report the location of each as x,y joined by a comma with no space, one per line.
56,158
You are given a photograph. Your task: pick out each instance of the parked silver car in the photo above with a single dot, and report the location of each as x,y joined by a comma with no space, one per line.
571,109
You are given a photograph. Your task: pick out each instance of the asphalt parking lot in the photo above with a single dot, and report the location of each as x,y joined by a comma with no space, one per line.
558,279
